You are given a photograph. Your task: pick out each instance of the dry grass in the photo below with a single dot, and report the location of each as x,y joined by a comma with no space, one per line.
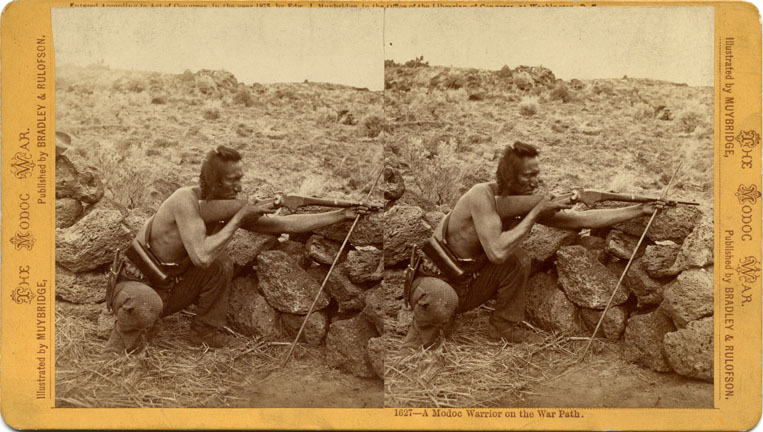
166,372
469,370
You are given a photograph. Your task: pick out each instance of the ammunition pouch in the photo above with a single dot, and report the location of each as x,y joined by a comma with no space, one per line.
443,258
148,264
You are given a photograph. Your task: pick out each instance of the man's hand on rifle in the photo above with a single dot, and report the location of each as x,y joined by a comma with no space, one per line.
650,207
350,213
253,211
548,206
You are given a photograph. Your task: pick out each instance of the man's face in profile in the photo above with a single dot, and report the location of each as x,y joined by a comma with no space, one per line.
526,181
229,185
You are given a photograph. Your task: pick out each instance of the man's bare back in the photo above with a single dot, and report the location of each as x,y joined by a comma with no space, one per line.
462,232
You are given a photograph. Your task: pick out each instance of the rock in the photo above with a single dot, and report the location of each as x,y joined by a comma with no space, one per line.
586,281
80,288
690,350
613,325
76,179
376,353
348,296
596,245
68,210
286,286
543,242
368,231
322,250
249,312
643,340
404,226
394,184
658,259
362,266
91,242
374,309
346,346
135,219
689,297
246,245
647,290
403,321
435,216
621,245
548,307
104,324
696,250
672,223
297,251
315,329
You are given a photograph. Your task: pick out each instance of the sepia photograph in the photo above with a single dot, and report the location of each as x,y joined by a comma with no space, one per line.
219,187
551,244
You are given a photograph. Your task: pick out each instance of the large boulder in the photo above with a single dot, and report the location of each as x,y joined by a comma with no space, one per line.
613,324
689,297
548,307
80,288
286,286
68,210
394,185
348,296
621,245
249,312
696,250
315,328
365,265
404,226
76,179
368,231
245,245
91,242
658,259
346,346
596,245
690,350
585,280
297,251
644,335
374,308
323,250
647,290
543,242
672,223
376,353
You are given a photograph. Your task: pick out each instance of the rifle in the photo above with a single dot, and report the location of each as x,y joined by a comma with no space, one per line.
222,210
519,205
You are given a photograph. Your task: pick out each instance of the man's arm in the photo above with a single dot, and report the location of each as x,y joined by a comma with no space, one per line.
300,223
201,248
500,245
599,218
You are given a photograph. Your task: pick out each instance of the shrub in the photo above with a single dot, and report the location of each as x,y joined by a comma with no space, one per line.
187,76
602,87
642,111
324,116
372,124
243,97
561,93
523,81
438,176
505,72
528,107
211,113
690,117
205,84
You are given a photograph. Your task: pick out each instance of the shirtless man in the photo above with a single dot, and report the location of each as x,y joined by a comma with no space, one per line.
498,270
192,251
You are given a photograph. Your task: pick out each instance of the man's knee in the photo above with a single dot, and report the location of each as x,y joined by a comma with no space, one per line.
434,301
136,305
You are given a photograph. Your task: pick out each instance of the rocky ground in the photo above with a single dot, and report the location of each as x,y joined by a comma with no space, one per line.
446,128
132,139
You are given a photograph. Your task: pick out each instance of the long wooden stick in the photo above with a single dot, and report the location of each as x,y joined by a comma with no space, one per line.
333,264
627,267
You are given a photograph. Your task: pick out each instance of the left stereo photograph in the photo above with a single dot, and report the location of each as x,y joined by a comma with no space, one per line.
218,207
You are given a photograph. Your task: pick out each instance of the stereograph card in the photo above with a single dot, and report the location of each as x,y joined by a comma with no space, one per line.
381,215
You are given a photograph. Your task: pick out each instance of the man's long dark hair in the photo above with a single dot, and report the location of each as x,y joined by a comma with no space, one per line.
212,167
506,174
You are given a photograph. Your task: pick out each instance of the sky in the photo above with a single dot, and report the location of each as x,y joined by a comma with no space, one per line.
264,45
667,43
348,45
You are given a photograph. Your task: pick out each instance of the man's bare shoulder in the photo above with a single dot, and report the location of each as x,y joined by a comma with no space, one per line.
183,199
480,193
